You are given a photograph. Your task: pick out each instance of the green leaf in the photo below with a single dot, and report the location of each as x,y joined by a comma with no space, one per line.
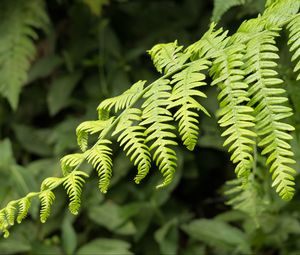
14,246
168,237
24,182
108,215
6,155
60,91
105,246
39,248
43,67
218,234
33,140
69,238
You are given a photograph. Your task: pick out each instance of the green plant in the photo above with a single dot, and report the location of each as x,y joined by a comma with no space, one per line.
148,119
20,19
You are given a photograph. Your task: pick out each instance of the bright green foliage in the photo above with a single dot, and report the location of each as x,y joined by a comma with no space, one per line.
159,130
51,183
280,12
10,212
294,42
4,223
210,41
73,184
235,116
47,197
252,110
123,101
186,88
70,161
267,100
24,205
100,157
132,138
17,50
90,127
168,57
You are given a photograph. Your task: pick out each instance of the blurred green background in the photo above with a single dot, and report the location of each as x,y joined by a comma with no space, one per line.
94,49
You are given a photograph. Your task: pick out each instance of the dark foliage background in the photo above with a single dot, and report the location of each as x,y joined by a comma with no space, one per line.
94,49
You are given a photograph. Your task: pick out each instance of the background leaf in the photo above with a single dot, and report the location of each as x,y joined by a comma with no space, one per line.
105,246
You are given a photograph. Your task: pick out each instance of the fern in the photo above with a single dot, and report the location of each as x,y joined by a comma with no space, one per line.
123,101
247,198
132,137
294,41
4,223
70,161
205,47
90,127
252,112
24,205
10,212
159,129
234,115
280,12
73,184
168,57
226,71
187,83
47,197
100,157
17,50
267,100
51,183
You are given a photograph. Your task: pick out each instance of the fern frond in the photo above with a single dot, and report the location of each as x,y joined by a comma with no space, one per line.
234,115
267,100
221,6
187,83
4,223
206,46
294,42
51,183
159,129
17,50
132,138
168,57
103,114
24,205
10,211
279,12
122,101
100,157
70,161
247,198
90,127
73,184
46,197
